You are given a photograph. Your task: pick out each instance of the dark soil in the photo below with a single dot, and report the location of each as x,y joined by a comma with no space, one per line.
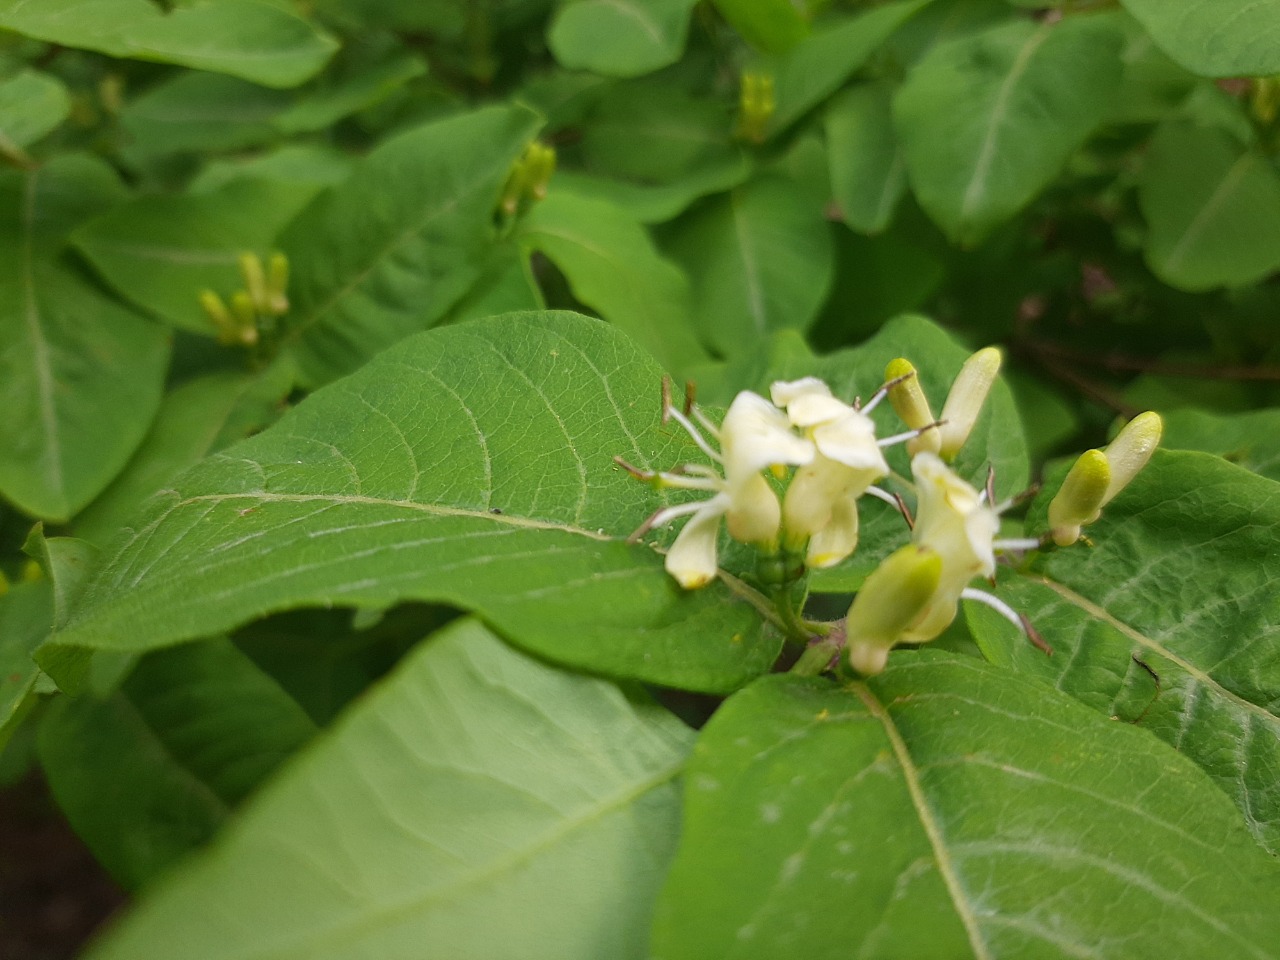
53,894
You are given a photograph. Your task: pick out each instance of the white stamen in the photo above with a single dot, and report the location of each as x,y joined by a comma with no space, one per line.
1017,543
705,447
996,604
884,495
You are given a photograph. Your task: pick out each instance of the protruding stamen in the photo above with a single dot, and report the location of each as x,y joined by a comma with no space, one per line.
690,429
883,392
909,435
666,399
706,422
1013,616
660,518
690,396
1017,544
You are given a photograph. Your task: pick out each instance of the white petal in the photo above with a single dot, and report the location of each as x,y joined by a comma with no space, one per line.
851,440
754,513
838,538
1129,452
812,409
964,402
756,434
785,392
952,519
692,557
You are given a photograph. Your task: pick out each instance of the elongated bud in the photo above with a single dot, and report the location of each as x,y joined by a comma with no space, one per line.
278,284
756,105
1129,452
1080,499
541,162
890,600
964,402
912,406
255,281
246,318
217,311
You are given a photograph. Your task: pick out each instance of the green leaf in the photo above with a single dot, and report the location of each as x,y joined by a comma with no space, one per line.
26,617
620,38
324,106
1225,38
950,809
161,251
658,202
614,268
1177,586
31,104
760,259
80,375
1211,206
389,251
506,285
197,418
816,68
197,112
412,479
257,40
988,120
1251,440
476,804
772,25
295,163
154,770
65,563
868,176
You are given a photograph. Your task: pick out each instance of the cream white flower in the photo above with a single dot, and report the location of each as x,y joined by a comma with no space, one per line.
754,436
954,521
964,402
891,599
820,505
1098,475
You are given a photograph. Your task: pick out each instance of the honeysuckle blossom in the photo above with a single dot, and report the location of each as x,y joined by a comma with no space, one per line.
912,406
954,521
964,402
754,436
891,599
1098,475
820,505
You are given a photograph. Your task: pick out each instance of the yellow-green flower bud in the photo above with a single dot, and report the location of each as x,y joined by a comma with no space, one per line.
540,163
1079,501
912,405
255,281
964,402
216,310
756,105
278,284
890,600
1129,452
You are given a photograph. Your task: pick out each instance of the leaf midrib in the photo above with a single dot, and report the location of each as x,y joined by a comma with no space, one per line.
354,928
39,344
929,823
1101,613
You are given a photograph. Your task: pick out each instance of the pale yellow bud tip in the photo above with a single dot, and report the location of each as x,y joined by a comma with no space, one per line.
1080,498
1129,452
890,600
964,402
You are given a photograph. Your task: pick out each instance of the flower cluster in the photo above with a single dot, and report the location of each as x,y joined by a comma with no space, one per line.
788,473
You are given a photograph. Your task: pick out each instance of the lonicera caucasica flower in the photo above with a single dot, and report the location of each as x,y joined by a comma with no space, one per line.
820,505
1098,475
755,436
960,411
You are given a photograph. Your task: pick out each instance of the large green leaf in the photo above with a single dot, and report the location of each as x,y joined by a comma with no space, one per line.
620,38
1251,440
1215,38
947,810
1169,621
197,418
26,616
987,120
816,68
472,465
1211,205
80,375
868,176
390,250
161,251
773,25
613,268
760,258
31,104
477,804
255,39
153,770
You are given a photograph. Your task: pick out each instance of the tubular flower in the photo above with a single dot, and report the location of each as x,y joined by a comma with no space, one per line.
820,505
954,521
1098,475
892,598
968,393
754,436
